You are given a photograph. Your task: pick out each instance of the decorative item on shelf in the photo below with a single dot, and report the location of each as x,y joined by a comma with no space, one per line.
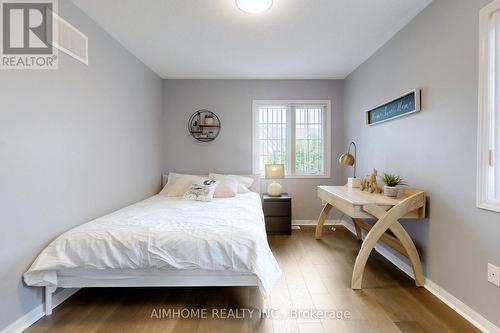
208,120
370,183
204,125
348,160
275,171
391,183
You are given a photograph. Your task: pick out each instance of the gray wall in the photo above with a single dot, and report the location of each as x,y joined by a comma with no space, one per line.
75,143
436,149
232,100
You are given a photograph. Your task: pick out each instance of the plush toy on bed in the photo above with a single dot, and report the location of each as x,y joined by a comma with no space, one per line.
201,191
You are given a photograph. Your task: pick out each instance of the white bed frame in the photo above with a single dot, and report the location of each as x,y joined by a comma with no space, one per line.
169,279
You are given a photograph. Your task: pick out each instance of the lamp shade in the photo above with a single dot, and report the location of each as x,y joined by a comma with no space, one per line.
347,159
275,171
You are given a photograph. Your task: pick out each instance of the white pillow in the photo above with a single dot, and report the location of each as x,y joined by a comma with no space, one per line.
243,189
178,184
227,188
244,183
201,190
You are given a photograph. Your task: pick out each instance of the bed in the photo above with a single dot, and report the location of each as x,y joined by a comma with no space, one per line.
164,242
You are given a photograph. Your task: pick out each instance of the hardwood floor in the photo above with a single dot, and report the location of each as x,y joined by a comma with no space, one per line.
316,275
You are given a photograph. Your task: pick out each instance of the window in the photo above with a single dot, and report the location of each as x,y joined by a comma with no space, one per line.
488,180
294,133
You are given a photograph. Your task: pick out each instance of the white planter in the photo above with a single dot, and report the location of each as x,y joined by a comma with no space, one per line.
391,191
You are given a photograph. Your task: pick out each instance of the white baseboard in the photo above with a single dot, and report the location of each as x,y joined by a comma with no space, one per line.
461,308
31,317
457,305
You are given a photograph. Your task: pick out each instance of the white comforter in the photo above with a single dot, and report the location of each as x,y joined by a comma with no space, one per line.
226,234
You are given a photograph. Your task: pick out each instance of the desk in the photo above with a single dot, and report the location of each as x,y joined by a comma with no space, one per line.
360,205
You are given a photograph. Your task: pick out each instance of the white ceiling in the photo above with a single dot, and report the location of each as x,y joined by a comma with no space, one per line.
296,39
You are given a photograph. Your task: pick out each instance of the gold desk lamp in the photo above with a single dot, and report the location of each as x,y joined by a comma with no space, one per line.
348,160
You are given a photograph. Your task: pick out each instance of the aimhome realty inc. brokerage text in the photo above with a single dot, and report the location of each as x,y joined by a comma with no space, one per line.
243,313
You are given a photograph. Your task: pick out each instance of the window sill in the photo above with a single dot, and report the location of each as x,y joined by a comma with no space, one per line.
491,206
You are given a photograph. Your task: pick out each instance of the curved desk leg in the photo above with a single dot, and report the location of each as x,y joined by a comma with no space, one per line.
411,250
366,248
322,219
369,243
387,220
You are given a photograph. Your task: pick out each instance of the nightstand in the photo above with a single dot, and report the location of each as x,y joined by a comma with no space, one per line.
278,214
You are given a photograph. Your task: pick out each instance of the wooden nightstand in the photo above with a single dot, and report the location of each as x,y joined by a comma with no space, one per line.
278,214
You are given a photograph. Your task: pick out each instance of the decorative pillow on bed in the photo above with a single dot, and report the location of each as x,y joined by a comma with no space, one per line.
244,183
178,184
201,190
227,188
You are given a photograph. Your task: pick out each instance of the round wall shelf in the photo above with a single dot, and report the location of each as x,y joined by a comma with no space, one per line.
204,125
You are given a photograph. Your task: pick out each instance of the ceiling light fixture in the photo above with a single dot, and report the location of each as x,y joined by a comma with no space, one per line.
254,6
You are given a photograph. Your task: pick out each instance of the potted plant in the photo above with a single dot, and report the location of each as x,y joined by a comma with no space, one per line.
391,183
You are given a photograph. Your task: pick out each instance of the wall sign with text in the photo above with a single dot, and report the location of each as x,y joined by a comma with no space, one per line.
407,104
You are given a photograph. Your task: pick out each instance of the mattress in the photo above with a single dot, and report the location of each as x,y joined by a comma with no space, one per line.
160,234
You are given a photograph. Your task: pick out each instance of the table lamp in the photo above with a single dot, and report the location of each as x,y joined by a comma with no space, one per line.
275,171
348,160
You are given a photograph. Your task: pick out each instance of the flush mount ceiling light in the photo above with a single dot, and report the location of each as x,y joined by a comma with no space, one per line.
254,6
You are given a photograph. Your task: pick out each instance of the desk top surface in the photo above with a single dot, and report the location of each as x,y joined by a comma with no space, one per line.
355,196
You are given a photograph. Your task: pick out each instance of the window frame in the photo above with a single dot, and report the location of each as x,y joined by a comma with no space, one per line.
486,106
291,132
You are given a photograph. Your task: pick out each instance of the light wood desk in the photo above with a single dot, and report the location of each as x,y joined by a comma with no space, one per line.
360,205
